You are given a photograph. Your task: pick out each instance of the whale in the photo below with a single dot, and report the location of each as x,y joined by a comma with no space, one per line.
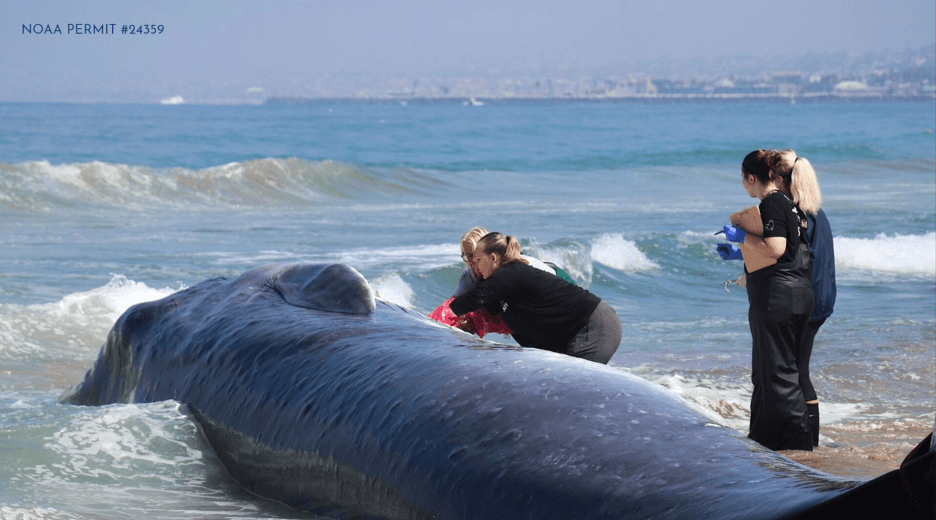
313,392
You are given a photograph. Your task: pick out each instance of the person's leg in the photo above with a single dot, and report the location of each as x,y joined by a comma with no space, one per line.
809,392
778,410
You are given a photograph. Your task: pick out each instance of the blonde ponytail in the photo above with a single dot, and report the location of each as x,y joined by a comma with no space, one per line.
793,174
804,186
507,247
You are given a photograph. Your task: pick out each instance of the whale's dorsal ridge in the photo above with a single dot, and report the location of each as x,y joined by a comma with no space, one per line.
325,287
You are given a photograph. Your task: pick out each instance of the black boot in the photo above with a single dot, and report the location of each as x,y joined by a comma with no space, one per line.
813,411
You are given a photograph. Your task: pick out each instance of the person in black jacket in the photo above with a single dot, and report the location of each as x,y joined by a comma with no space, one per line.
819,237
543,310
807,195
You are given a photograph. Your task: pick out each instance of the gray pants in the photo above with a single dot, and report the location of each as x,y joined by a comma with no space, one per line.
600,338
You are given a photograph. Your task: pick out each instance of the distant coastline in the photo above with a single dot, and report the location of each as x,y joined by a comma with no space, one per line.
906,79
659,98
901,75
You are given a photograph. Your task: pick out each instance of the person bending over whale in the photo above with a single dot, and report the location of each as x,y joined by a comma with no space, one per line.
470,276
543,311
481,322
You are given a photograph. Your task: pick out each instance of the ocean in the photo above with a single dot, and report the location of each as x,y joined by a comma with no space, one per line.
105,206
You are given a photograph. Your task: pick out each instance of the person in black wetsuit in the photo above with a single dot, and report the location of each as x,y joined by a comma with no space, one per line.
543,310
808,197
781,302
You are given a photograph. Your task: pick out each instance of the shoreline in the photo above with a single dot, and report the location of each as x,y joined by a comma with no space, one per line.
860,455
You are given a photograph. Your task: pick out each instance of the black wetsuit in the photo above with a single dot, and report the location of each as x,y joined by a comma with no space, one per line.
544,311
819,236
781,302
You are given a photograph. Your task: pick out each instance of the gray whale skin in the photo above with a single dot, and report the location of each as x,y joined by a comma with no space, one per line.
314,393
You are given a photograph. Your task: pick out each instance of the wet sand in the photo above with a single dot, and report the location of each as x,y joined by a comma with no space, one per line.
861,454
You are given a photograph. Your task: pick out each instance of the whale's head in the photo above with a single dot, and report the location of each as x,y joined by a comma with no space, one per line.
323,287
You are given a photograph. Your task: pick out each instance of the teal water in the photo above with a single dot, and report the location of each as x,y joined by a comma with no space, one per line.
104,206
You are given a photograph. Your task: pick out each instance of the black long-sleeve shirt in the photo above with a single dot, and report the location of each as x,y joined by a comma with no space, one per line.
543,310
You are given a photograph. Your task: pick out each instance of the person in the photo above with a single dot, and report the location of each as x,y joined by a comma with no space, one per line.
808,196
481,322
543,310
470,277
780,297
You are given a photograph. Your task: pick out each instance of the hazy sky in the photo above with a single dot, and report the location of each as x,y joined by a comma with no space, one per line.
228,40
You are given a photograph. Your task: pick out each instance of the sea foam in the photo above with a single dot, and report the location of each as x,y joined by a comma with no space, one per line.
898,254
391,287
614,251
74,324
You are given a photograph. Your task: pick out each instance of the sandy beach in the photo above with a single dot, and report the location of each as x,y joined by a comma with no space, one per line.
861,455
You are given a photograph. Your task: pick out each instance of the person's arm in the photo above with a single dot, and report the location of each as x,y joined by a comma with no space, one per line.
486,292
771,242
468,302
771,247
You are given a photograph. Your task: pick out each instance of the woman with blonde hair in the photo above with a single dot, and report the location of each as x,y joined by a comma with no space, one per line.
780,295
470,277
802,184
480,322
804,188
543,310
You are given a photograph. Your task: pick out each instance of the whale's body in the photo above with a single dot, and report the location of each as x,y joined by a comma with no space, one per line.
313,393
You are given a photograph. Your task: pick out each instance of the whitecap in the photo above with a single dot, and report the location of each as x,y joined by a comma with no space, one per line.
897,254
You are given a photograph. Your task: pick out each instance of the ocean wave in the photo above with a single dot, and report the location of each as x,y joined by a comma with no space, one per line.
913,255
614,251
128,440
75,325
724,397
392,288
42,186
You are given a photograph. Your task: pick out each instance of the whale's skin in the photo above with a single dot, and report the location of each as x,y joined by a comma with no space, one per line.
364,409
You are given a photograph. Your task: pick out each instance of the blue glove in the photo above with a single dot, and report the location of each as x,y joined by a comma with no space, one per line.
734,234
729,252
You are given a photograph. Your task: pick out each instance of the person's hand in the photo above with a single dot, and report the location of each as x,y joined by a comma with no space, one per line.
729,252
465,324
734,234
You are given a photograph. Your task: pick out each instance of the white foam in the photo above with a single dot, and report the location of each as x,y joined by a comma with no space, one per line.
726,401
391,287
74,325
719,406
833,413
572,258
900,254
126,439
35,513
614,251
111,300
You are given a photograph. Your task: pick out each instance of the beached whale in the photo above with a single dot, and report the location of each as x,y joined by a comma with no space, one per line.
313,393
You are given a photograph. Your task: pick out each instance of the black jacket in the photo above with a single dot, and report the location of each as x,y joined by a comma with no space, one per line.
543,310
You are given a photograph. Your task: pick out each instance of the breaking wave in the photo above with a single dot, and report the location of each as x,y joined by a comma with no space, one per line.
913,255
42,186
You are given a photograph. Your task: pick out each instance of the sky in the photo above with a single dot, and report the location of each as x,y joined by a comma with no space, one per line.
213,45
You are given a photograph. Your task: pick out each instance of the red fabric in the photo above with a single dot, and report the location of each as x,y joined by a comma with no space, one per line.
480,321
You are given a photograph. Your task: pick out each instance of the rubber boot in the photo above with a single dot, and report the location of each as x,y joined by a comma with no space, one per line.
813,411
